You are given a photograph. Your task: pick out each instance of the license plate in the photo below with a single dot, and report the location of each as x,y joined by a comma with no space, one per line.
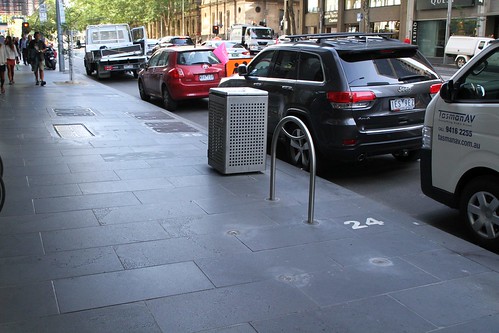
128,66
206,77
401,104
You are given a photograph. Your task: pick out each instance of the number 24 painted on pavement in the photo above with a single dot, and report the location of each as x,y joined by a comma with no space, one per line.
369,221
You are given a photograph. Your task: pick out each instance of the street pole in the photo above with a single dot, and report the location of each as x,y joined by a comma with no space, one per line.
59,36
447,27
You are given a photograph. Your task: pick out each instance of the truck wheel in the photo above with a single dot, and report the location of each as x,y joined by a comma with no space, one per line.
479,208
88,68
460,62
143,95
168,102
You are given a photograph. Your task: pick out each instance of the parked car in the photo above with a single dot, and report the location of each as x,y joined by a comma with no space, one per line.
175,74
168,41
234,49
460,156
358,94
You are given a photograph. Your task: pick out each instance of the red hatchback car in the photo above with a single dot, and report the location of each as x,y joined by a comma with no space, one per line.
180,73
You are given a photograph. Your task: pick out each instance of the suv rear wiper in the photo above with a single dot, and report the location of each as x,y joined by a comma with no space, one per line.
412,77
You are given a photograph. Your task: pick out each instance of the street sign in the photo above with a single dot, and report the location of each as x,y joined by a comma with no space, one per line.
42,10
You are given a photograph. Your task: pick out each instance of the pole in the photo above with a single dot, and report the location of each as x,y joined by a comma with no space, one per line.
183,18
447,27
59,36
70,55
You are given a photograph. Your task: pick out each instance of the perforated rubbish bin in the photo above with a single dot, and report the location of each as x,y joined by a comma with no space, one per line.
237,130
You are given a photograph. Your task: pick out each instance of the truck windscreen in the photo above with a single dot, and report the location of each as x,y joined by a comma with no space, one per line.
261,33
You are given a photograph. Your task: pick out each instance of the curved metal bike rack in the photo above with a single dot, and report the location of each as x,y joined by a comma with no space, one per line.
308,137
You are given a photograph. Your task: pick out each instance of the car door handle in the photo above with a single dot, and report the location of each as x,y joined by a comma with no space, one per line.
287,87
257,84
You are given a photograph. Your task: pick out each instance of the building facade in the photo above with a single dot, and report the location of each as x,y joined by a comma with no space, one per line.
423,22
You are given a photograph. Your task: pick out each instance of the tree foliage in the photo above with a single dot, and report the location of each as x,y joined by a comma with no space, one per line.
80,13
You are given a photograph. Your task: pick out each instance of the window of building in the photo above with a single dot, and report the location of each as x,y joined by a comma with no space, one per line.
352,4
383,3
313,6
331,5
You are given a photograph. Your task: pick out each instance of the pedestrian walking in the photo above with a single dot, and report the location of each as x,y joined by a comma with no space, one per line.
23,45
3,64
12,58
36,54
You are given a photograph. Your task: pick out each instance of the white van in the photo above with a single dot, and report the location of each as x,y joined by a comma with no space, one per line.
464,47
460,155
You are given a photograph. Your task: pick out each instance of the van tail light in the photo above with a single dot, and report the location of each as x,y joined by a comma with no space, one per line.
354,99
176,73
435,88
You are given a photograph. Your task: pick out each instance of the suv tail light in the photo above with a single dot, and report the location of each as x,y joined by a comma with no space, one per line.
435,88
176,73
354,99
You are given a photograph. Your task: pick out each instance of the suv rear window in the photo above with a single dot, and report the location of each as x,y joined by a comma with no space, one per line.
385,71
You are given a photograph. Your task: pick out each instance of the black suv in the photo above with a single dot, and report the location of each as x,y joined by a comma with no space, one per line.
359,94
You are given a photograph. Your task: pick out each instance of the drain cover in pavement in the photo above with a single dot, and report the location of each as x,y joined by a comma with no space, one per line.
74,112
71,131
153,115
171,127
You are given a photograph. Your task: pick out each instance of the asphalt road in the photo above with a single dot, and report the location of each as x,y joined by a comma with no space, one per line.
383,179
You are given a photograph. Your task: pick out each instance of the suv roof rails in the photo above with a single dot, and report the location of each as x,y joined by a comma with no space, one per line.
324,36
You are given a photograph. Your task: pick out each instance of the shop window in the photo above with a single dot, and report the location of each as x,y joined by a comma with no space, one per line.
383,3
352,4
386,26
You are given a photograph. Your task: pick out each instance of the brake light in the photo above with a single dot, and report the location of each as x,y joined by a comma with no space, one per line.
350,96
176,73
108,68
435,88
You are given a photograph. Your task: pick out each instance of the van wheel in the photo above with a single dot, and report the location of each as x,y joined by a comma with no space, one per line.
298,149
168,102
479,208
407,155
460,62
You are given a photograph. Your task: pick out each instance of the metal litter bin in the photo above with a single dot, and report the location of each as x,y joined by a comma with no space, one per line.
237,130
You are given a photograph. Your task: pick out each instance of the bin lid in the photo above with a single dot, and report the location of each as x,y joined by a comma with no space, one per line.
238,91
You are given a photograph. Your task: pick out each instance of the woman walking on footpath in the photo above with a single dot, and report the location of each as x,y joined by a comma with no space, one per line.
36,50
3,63
12,58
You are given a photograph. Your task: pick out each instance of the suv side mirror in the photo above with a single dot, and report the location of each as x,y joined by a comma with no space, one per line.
242,70
447,91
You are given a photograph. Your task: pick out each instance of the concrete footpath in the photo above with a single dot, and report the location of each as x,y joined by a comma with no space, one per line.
115,222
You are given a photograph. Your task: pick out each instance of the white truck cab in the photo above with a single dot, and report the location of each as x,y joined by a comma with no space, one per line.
255,38
462,48
111,48
460,155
